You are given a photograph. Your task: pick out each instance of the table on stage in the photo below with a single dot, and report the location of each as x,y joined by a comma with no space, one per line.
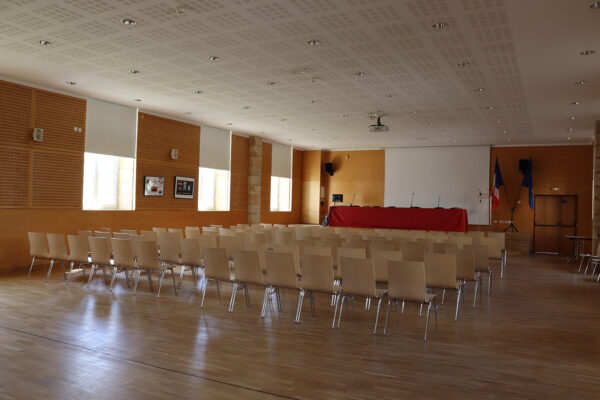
579,247
430,219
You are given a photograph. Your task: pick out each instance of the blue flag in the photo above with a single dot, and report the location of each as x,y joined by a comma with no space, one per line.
528,183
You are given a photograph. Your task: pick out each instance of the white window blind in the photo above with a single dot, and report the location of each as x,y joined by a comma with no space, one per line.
281,161
215,148
111,129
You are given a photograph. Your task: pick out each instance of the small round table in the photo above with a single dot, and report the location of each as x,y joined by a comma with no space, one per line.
579,244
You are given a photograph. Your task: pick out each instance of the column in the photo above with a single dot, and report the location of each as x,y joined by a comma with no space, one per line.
254,178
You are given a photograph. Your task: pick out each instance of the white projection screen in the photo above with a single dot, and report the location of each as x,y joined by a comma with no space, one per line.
459,174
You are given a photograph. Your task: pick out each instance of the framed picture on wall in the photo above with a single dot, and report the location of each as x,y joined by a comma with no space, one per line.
184,187
154,186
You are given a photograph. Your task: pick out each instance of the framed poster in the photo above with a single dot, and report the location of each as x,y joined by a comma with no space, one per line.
154,185
184,187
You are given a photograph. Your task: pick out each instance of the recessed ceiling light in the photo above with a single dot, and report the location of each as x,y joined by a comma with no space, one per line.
572,117
581,83
289,140
412,111
504,131
439,25
134,71
575,103
44,42
128,21
360,74
246,107
489,108
314,79
570,129
587,52
197,91
508,139
498,121
71,83
453,140
568,137
283,119
187,113
464,64
344,115
179,11
389,95
443,133
214,58
137,100
312,101
314,42
595,5
480,90
271,83
300,71
229,124
261,132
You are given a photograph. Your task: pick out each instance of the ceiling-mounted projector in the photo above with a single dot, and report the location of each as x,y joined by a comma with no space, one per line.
378,127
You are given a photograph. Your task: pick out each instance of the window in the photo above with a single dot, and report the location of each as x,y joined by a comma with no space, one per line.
281,194
108,182
213,190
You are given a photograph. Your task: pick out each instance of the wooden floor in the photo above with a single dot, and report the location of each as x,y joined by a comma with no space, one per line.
535,338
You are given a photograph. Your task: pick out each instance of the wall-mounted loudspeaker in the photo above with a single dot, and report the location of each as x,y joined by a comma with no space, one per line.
38,134
523,165
329,168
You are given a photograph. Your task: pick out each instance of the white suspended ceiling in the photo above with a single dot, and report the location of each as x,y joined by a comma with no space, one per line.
524,54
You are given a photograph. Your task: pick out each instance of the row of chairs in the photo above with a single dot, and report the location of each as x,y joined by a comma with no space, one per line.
143,255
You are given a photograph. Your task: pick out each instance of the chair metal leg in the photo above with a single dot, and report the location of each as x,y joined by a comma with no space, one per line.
341,309
443,295
421,311
312,304
82,267
31,267
503,264
458,295
49,270
70,272
181,276
477,282
104,274
62,265
299,309
264,305
403,304
377,315
337,299
232,300
160,281
127,277
490,282
205,284
112,279
137,279
427,321
218,291
92,272
173,278
387,315
435,309
247,295
278,296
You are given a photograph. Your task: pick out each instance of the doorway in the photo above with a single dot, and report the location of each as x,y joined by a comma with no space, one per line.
555,217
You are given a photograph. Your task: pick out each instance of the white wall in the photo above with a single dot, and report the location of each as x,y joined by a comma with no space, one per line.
456,173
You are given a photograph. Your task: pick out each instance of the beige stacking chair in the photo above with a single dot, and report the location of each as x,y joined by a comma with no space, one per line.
261,248
347,253
316,251
106,234
257,237
354,244
147,259
100,250
289,248
57,251
282,237
497,251
121,235
317,277
191,257
230,243
159,230
445,247
413,251
380,263
216,268
406,283
281,274
168,244
192,233
440,273
150,235
176,230
38,248
85,233
482,263
207,241
124,258
130,231
465,268
359,280
79,249
247,269
303,234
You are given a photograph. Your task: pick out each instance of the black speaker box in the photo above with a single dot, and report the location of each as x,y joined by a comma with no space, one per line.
523,165
329,168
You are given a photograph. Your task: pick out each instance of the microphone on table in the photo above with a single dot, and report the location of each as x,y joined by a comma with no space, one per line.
439,198
352,199
411,199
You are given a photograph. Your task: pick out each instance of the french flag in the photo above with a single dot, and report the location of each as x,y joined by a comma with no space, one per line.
497,183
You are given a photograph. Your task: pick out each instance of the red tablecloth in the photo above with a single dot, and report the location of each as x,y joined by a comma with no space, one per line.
430,219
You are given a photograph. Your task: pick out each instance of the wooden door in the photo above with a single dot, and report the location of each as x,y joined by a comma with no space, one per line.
555,217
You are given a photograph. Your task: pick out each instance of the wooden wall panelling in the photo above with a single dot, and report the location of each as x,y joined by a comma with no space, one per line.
58,115
14,176
57,179
238,196
16,103
156,137
311,186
